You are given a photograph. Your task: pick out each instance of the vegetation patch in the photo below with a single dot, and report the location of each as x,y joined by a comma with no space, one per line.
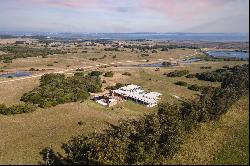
181,83
109,74
56,89
235,151
16,109
177,73
126,74
116,86
14,52
218,75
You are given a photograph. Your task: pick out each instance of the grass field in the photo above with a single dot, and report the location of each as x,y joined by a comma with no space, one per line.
24,136
236,149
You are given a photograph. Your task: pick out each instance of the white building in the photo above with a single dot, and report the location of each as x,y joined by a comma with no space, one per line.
135,93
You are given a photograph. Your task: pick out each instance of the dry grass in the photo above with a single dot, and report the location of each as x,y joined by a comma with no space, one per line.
24,136
10,93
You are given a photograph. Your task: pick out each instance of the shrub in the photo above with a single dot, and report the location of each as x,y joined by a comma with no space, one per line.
95,73
80,69
127,74
181,83
166,64
178,73
195,87
154,51
206,67
109,74
80,123
117,86
16,109
112,49
191,76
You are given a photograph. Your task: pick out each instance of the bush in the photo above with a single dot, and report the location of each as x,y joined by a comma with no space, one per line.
166,64
109,74
127,74
191,76
181,83
195,87
112,49
93,59
178,73
95,73
16,109
117,86
206,67
80,69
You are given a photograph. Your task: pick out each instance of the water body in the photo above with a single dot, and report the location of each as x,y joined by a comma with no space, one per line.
191,60
159,64
17,74
219,37
229,54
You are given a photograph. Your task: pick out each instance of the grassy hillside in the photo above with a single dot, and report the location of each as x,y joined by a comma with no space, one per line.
236,149
219,142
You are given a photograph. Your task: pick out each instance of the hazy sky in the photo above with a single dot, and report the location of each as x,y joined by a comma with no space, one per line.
125,15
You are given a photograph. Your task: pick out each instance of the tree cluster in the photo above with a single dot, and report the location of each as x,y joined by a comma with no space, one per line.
56,89
14,52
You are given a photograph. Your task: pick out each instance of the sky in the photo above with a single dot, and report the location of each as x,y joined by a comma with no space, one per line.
119,16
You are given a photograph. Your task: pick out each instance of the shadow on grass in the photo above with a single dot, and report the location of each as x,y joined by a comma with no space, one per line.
49,157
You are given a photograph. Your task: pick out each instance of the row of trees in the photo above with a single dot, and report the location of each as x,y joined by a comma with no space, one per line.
218,75
155,137
154,47
57,89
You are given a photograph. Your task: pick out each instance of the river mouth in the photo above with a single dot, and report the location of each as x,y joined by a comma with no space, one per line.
16,75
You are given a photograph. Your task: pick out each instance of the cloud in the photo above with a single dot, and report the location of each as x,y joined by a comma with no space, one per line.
76,4
183,8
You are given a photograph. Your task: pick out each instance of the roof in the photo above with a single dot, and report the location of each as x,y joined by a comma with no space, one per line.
152,95
134,92
136,96
130,87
